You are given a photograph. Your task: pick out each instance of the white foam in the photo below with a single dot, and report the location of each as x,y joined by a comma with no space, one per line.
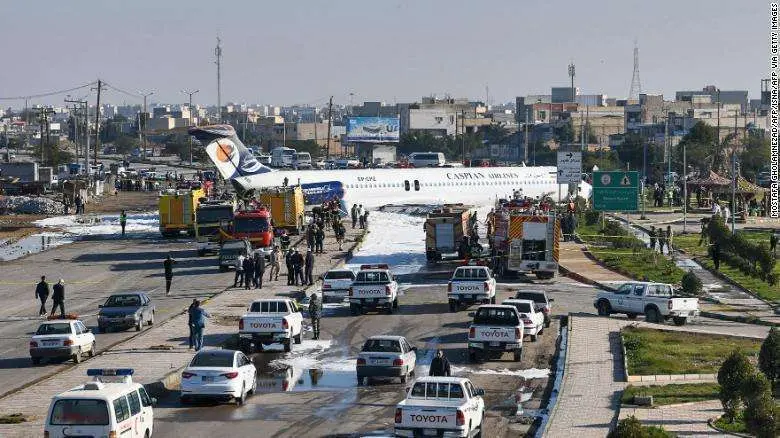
395,239
531,373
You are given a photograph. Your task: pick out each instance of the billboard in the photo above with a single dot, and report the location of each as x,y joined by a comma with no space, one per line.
373,129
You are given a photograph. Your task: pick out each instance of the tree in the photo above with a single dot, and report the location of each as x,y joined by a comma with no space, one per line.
755,156
54,153
700,148
691,284
125,144
769,359
495,134
605,160
734,371
760,413
629,427
564,133
309,146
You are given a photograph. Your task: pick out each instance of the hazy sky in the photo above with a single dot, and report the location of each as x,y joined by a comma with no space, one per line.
286,52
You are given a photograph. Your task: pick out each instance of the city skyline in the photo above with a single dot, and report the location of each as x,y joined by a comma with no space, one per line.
286,54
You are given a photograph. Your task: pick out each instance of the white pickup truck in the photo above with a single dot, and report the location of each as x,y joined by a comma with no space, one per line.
441,406
496,329
270,321
470,285
654,300
374,288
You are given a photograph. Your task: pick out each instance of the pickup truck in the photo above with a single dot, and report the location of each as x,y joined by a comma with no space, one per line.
654,300
496,329
373,288
269,321
470,285
441,406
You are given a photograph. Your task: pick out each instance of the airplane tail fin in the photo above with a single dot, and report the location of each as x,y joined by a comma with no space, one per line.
227,152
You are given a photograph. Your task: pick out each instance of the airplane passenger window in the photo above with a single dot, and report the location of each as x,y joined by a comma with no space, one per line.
406,185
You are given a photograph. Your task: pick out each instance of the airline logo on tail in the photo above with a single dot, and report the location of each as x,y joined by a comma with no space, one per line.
227,152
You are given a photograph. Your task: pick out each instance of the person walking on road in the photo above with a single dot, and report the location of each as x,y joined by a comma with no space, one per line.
288,260
168,267
440,366
309,267
315,313
249,271
238,279
58,298
354,213
319,239
42,293
198,317
191,323
259,270
123,221
275,265
297,261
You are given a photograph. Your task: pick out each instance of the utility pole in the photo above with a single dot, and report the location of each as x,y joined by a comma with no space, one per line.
571,75
733,190
86,136
7,148
190,93
685,188
97,122
330,118
218,54
76,124
142,126
463,135
717,131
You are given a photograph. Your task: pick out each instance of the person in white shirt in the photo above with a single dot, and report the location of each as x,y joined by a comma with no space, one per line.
238,281
726,214
715,209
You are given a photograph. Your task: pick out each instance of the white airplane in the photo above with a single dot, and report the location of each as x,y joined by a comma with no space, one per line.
377,187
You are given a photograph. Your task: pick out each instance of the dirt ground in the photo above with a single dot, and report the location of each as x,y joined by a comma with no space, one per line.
17,226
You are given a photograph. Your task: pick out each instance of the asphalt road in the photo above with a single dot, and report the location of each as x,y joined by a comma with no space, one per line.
93,270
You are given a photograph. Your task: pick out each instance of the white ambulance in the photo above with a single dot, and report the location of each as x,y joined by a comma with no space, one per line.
112,406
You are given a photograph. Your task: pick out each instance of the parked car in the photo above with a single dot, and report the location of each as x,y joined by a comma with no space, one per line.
533,321
542,303
125,310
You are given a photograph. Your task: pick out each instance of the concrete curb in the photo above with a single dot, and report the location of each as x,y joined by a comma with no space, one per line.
673,378
552,410
742,319
626,377
711,424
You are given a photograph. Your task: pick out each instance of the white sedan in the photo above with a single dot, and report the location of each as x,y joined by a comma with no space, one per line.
386,356
533,321
62,338
218,375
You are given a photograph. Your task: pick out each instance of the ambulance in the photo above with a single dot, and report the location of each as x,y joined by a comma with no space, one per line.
111,405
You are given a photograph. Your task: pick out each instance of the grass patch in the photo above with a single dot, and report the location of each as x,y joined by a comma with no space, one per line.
690,244
650,351
738,426
12,419
673,394
640,264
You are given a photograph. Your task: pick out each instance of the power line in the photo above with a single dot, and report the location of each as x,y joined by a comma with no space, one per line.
51,93
136,95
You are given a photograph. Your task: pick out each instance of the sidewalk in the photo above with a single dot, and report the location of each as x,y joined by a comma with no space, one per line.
684,419
154,366
591,388
575,263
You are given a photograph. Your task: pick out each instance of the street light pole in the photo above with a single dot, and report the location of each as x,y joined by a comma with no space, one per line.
142,124
685,188
190,93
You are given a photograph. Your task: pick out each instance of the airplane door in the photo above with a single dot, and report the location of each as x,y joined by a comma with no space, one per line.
416,186
406,185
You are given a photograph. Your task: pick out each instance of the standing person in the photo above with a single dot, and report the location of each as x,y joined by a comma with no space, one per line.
440,366
716,254
365,219
198,317
773,243
79,204
42,293
191,323
361,212
123,221
652,238
168,268
669,239
354,213
259,270
319,238
297,260
249,271
288,260
703,233
340,232
310,232
726,214
238,279
275,265
284,240
309,268
661,239
58,297
315,313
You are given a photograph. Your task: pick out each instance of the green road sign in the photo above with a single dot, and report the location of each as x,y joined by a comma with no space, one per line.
616,191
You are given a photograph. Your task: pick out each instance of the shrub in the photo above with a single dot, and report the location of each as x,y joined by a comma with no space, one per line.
592,217
691,285
761,415
769,359
731,375
630,427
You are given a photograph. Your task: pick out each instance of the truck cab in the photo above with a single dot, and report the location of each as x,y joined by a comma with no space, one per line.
445,229
255,226
210,217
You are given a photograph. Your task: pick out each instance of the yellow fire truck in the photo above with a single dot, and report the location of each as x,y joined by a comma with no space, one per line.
177,210
286,205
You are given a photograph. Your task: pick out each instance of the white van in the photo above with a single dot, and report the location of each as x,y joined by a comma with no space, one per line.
427,159
110,406
302,160
283,157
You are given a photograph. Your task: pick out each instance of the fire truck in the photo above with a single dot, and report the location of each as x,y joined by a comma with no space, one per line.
526,240
254,225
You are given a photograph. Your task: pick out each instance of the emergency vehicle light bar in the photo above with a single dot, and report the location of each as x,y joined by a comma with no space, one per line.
375,266
110,372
